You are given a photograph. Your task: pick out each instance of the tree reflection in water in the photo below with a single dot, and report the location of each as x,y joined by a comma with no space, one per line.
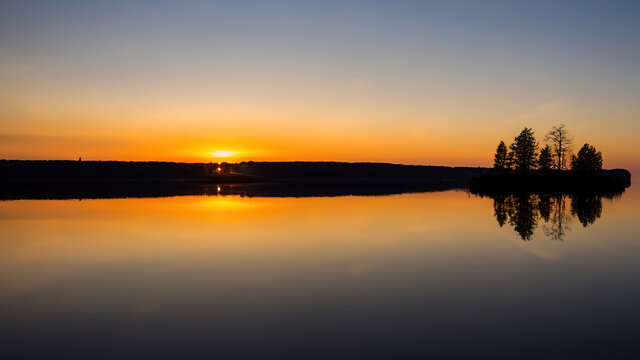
524,211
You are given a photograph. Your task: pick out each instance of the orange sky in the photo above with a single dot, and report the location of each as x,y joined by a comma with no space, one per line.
440,137
423,85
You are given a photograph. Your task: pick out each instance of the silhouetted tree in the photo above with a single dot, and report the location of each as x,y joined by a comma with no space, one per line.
524,150
560,144
501,159
588,159
545,160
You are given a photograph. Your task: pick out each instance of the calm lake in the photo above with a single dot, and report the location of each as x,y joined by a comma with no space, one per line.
413,275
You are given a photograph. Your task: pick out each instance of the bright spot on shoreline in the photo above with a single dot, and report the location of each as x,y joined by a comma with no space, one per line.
223,153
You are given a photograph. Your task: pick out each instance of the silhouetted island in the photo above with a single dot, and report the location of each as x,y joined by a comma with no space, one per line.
525,167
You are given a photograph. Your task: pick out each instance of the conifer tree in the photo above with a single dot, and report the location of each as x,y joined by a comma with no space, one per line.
588,159
545,160
501,160
524,150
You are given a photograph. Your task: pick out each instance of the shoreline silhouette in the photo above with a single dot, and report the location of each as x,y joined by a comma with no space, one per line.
62,179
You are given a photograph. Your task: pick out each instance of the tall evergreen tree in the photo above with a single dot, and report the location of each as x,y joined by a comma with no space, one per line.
588,159
545,160
501,159
524,150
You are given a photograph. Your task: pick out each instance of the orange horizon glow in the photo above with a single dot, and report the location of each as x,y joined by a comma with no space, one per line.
424,149
437,136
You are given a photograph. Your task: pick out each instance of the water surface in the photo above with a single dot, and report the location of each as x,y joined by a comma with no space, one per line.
411,275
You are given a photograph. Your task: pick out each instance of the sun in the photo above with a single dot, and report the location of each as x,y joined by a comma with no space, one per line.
223,153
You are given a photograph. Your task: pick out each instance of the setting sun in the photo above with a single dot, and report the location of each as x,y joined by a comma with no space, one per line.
223,153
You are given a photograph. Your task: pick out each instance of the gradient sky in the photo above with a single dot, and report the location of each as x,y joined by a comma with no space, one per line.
397,81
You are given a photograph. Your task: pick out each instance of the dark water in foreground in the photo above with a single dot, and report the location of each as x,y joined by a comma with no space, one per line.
426,275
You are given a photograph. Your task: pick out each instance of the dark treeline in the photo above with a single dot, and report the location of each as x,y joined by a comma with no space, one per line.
113,179
341,170
86,179
255,171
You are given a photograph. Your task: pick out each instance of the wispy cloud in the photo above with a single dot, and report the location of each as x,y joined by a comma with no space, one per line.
542,111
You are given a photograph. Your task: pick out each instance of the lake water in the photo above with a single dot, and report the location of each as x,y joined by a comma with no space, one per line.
401,276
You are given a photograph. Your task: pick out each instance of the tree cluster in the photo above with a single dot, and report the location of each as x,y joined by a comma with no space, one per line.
524,153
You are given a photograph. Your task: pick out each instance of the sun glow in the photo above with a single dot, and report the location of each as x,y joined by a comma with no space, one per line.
223,153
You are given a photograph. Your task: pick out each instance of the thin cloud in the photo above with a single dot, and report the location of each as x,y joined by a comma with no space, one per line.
541,111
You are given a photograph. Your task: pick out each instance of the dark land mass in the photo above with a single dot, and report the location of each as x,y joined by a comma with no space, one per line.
45,170
302,170
55,179
120,179
568,182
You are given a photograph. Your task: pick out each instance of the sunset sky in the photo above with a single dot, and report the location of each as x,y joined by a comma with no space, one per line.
413,82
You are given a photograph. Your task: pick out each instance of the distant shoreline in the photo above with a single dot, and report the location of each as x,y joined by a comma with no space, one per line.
33,179
43,179
68,170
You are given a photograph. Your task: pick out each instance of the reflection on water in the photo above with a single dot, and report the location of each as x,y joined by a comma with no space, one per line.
140,189
525,211
420,275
